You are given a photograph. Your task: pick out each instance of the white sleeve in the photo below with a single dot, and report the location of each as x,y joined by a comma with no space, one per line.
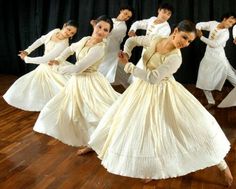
168,68
219,42
204,26
66,53
132,42
234,32
55,52
141,24
94,55
119,34
37,43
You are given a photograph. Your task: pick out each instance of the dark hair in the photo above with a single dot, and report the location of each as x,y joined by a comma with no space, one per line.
167,6
187,26
72,23
107,19
228,15
126,7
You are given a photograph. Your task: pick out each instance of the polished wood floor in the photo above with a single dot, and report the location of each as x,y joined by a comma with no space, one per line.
29,160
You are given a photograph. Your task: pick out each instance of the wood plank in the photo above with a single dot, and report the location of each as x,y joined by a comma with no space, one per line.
29,160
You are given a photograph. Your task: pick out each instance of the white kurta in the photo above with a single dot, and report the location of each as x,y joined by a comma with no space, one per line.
109,65
73,114
230,99
34,89
157,129
151,28
214,67
234,31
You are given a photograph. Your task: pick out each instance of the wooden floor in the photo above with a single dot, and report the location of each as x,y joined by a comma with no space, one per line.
29,160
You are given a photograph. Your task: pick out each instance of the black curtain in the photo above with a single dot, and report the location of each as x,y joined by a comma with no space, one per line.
23,21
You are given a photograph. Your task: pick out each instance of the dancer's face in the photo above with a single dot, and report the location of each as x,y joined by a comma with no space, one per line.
164,14
229,22
68,31
101,30
182,39
125,15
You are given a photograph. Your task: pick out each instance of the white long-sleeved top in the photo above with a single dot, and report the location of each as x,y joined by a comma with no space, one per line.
154,71
118,32
52,48
214,67
217,37
151,28
88,63
109,65
234,31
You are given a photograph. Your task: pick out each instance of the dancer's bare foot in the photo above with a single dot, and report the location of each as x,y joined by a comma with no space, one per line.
84,150
228,176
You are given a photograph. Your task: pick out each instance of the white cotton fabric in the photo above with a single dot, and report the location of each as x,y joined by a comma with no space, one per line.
34,89
73,114
157,129
214,68
234,31
151,28
110,63
230,99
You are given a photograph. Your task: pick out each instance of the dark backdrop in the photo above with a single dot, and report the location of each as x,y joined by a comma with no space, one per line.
23,21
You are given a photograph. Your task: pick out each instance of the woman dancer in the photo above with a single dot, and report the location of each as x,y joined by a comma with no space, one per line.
73,114
34,89
156,25
157,129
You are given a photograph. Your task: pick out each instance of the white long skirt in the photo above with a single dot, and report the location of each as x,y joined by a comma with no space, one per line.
229,100
33,90
158,131
73,114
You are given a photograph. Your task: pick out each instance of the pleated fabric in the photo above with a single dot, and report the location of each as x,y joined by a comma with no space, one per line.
73,114
33,90
161,131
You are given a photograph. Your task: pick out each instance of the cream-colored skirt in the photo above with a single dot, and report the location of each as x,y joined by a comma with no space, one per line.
33,90
158,131
73,114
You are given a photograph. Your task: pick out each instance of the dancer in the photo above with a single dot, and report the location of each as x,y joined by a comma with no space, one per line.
157,129
215,64
230,99
34,89
110,63
73,114
153,26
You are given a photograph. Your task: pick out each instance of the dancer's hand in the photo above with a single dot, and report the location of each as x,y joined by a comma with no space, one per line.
123,57
199,33
53,62
22,54
235,41
131,33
